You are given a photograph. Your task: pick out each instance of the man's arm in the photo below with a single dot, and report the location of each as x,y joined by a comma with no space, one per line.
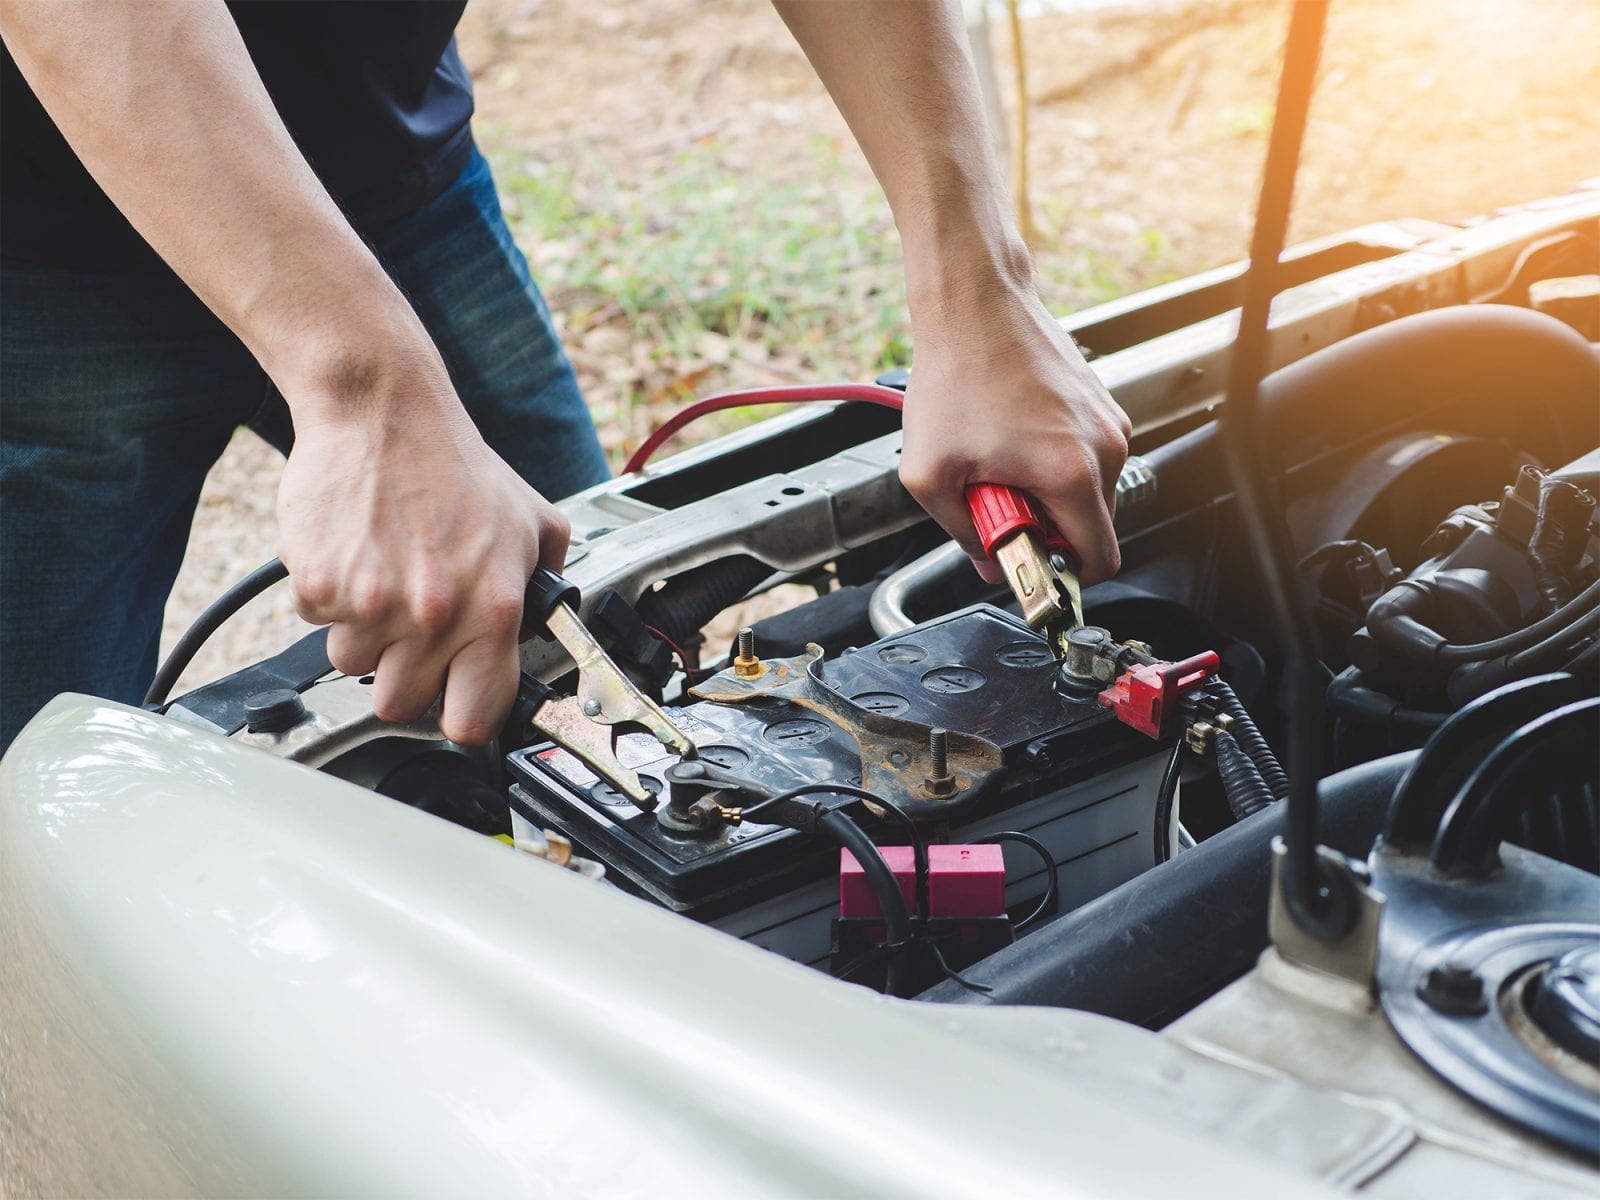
999,393
399,527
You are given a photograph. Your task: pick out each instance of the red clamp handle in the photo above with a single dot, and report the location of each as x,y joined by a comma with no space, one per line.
1144,697
999,511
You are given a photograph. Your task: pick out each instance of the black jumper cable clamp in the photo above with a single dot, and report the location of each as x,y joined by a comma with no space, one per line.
585,724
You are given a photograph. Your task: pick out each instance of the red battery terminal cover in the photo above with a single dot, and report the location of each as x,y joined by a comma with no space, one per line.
1143,698
964,882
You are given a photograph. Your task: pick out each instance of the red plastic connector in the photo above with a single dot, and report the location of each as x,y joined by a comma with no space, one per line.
1144,697
963,882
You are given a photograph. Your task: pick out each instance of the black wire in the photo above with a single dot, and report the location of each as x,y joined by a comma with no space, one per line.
896,921
1568,616
1245,451
1164,798
216,614
919,845
1556,648
950,972
1050,885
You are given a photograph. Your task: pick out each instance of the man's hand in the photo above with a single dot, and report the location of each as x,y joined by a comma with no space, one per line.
410,537
999,394
399,527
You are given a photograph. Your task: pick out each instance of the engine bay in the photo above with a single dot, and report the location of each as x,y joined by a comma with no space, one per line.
1097,833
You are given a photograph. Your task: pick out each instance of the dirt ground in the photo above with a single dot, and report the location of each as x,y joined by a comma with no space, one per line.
1148,123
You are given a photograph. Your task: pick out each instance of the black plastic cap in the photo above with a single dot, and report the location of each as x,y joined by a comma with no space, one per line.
274,711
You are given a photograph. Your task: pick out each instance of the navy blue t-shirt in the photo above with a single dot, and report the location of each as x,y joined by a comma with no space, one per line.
372,91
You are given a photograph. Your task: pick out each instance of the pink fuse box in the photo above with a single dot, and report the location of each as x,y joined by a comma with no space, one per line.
963,882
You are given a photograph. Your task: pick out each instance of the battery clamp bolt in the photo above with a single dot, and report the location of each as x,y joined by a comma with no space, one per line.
939,782
745,663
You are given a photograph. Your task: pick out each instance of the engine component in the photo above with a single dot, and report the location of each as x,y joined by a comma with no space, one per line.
1486,951
1075,779
1508,590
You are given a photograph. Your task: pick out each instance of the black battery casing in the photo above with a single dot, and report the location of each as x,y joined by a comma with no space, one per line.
979,670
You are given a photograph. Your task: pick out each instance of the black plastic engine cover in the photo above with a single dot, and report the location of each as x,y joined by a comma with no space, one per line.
980,671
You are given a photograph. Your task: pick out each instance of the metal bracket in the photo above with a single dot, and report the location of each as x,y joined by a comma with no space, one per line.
896,757
1353,955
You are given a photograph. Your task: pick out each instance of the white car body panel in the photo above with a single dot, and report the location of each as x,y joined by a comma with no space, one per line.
225,973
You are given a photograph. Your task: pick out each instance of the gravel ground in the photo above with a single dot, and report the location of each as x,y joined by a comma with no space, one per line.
1147,133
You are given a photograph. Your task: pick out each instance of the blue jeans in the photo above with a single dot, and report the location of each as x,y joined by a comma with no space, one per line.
119,391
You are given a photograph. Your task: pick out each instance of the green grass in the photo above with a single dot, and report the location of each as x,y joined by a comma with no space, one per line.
701,277
802,270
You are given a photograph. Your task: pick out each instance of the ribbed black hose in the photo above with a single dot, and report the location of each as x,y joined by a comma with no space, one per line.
1252,742
1242,784
692,598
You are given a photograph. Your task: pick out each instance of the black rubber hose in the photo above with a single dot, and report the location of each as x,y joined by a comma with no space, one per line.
1457,749
1551,754
896,921
212,619
1251,741
1351,699
1171,937
1242,784
690,599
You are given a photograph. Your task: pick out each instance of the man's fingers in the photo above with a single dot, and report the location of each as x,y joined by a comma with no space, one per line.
480,690
1081,516
555,535
354,649
947,504
408,679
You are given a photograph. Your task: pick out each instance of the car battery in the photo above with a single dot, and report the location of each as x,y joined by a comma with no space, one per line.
1074,778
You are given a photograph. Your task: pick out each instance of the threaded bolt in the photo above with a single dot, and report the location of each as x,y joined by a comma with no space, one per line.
939,781
745,663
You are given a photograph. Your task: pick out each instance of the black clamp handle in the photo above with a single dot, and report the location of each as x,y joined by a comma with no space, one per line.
545,591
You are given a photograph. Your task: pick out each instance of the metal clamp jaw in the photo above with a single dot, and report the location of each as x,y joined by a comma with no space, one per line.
585,724
1034,557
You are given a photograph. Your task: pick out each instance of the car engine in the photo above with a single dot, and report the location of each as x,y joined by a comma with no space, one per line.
1104,833
1323,890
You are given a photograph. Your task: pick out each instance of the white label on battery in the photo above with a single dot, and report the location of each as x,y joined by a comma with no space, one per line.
568,767
636,749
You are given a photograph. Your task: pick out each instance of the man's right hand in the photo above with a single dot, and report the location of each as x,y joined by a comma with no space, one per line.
414,541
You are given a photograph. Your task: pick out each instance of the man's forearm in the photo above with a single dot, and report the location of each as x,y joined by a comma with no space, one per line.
900,73
1000,394
161,102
